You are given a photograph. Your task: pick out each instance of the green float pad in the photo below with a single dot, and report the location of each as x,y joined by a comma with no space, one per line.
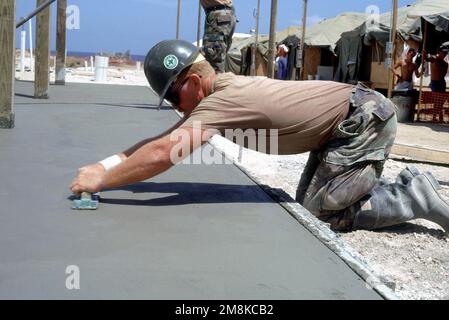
87,201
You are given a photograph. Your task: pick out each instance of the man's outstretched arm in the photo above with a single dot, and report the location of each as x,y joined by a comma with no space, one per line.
127,153
146,162
99,168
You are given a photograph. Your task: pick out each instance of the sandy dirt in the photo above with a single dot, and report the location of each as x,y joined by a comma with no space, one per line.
115,75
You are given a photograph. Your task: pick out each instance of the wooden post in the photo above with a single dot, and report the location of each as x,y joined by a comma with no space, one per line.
423,64
61,46
42,74
303,40
7,62
256,43
394,26
198,33
257,23
272,42
178,19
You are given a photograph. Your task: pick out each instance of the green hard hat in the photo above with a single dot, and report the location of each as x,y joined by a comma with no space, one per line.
165,61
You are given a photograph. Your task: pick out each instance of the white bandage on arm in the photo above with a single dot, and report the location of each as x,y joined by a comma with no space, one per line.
111,162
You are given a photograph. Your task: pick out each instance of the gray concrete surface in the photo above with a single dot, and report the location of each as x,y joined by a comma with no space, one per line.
195,232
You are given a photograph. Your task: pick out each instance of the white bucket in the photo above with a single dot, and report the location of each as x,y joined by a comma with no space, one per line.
311,77
101,68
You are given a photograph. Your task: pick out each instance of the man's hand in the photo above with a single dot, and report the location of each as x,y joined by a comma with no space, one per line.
89,179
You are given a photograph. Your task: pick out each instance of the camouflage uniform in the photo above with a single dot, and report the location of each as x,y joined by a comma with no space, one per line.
350,165
218,31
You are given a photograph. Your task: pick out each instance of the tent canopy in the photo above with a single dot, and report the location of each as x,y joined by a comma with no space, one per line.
327,33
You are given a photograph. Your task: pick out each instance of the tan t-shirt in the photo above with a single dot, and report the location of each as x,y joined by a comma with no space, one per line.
304,112
212,3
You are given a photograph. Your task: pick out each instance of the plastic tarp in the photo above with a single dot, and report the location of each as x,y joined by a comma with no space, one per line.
237,58
431,10
234,61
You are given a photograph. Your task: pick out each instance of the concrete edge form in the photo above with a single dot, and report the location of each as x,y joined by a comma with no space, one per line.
322,232
415,153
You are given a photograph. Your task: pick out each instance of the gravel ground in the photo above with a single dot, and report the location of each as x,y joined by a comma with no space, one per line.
413,257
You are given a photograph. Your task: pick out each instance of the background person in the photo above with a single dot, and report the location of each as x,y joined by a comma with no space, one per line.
438,69
408,68
282,62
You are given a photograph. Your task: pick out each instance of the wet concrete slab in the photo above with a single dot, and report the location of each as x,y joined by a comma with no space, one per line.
195,232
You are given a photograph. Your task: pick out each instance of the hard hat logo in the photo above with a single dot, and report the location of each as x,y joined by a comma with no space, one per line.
165,62
171,62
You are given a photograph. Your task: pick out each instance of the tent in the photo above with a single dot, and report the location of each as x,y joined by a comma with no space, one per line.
321,40
239,56
436,28
362,51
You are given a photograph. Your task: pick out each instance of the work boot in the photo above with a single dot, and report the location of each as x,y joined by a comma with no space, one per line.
413,196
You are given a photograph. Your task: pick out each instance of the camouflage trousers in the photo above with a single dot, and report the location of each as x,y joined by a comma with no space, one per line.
351,163
218,31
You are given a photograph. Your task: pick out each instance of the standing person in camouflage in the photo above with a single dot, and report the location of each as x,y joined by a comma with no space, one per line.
219,28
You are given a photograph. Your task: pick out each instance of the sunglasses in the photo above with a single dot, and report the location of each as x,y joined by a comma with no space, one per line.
174,92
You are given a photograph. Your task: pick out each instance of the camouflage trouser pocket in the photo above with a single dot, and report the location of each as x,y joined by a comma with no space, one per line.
219,22
367,135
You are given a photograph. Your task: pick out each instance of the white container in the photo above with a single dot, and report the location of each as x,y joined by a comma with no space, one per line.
311,77
101,68
317,77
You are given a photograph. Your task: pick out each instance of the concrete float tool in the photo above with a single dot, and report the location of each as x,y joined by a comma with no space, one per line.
87,201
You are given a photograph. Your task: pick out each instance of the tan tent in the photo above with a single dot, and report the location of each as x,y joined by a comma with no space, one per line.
321,39
362,51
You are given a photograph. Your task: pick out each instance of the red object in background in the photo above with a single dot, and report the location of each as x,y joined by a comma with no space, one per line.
434,107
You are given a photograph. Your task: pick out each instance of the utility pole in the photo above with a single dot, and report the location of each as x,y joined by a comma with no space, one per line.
254,49
423,64
272,41
393,33
7,62
198,34
42,74
178,19
303,40
61,39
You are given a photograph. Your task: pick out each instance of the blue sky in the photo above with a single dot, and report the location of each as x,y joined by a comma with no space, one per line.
115,26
